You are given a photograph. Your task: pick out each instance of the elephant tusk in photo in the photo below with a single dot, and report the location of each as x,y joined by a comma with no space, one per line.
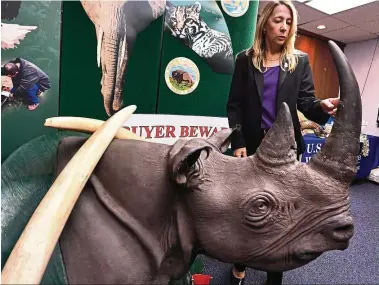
86,125
99,43
31,254
124,52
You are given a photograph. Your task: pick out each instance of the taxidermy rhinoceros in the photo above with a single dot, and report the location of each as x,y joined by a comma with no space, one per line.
149,208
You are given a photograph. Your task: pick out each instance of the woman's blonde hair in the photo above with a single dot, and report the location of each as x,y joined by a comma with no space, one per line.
257,50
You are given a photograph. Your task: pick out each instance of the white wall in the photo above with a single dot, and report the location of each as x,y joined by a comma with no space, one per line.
364,59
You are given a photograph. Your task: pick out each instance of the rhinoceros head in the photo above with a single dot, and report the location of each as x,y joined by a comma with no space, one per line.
270,211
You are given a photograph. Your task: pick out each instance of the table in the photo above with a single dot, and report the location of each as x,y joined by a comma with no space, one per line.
313,144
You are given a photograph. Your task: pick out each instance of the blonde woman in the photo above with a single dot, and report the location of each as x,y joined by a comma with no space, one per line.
267,74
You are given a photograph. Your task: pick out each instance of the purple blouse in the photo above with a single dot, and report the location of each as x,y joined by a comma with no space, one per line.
270,79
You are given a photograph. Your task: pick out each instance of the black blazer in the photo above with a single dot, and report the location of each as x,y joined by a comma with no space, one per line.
244,107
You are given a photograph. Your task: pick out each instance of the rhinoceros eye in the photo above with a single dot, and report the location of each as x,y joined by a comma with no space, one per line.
260,208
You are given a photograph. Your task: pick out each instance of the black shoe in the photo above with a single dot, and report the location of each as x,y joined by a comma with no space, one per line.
236,281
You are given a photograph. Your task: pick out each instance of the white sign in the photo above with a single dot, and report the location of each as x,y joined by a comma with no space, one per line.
168,129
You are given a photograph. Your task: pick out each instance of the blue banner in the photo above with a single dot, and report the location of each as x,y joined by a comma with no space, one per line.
368,157
313,145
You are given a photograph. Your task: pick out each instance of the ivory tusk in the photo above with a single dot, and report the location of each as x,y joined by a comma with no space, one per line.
99,43
86,125
31,254
123,52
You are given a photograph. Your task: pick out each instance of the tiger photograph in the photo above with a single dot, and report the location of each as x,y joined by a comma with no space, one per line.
186,23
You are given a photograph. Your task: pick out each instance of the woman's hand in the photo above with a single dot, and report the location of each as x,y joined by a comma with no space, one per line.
330,105
240,152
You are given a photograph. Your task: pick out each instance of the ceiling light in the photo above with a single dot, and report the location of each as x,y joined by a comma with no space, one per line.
321,27
332,7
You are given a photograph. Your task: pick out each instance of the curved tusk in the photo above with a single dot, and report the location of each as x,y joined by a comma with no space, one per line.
99,43
31,254
86,125
123,52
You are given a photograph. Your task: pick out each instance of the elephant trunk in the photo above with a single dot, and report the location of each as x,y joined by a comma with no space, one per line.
113,62
338,157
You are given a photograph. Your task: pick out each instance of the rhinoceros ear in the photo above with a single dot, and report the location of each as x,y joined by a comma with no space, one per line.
221,139
279,146
183,157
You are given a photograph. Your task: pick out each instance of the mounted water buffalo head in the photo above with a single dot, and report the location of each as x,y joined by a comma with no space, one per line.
270,211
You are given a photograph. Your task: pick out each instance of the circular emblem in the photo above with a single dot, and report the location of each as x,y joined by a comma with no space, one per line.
235,8
182,75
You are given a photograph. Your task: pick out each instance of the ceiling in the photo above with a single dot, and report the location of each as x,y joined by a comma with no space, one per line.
353,25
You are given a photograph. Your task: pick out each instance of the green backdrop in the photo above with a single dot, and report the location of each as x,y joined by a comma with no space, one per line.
210,97
145,83
41,47
80,77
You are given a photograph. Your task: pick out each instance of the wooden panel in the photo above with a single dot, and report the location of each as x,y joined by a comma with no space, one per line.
324,71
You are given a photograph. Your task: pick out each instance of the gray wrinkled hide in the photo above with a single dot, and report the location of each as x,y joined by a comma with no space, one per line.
124,225
147,207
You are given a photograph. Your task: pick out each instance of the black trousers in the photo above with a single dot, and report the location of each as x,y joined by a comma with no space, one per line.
273,278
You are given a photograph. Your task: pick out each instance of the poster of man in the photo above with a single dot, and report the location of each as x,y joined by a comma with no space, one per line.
30,53
28,81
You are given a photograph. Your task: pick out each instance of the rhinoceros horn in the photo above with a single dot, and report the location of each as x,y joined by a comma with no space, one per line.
279,145
338,157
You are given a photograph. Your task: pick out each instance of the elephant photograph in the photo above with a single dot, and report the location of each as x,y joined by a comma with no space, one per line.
117,25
